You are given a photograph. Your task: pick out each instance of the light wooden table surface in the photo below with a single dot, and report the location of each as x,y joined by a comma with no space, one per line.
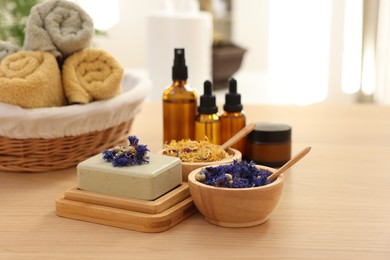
335,203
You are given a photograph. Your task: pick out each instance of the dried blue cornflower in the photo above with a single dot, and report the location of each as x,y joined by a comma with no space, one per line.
122,160
133,140
236,175
108,155
133,154
141,151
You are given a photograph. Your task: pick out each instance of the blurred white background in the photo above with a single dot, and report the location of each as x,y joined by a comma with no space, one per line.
298,51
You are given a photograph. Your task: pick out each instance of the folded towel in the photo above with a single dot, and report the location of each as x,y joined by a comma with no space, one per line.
7,48
58,26
91,74
31,79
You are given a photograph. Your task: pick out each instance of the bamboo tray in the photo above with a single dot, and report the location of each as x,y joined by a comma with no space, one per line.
145,216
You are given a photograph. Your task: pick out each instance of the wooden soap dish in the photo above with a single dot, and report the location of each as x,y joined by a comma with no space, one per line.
139,215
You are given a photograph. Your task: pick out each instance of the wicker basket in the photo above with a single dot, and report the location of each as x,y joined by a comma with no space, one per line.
42,155
47,154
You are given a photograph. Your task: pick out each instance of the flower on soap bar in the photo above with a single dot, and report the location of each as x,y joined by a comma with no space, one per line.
235,175
133,154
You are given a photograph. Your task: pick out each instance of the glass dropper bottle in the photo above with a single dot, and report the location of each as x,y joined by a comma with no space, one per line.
207,123
233,118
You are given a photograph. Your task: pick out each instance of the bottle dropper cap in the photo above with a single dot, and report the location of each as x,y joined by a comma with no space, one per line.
207,100
232,98
179,69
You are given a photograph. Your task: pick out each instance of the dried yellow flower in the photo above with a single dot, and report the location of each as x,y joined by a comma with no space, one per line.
195,151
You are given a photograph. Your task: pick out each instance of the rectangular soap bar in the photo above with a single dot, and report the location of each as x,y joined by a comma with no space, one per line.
145,182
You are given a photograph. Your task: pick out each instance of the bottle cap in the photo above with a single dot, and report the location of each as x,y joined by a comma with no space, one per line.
179,69
270,132
207,100
232,98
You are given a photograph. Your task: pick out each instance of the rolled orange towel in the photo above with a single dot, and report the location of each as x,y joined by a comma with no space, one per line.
91,74
31,79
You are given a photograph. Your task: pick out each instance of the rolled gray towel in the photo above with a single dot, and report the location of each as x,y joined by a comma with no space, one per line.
58,26
7,48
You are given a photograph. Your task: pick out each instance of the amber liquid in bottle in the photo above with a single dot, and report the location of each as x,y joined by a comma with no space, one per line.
179,111
231,123
208,125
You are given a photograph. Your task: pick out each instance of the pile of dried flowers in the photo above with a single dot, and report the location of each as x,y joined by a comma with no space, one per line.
188,150
133,154
235,175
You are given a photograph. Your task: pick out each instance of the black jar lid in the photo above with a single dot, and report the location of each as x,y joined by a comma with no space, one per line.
269,132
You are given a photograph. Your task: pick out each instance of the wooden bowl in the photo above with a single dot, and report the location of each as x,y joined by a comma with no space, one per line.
188,167
235,207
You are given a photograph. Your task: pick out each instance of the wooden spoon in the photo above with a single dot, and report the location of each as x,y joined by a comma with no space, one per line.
290,163
238,136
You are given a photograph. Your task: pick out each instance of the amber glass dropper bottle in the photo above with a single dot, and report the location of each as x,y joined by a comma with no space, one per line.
179,103
233,118
207,121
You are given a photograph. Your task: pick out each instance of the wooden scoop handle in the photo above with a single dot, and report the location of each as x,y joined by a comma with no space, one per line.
288,164
238,136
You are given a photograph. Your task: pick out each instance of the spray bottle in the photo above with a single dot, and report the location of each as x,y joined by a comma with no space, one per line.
179,103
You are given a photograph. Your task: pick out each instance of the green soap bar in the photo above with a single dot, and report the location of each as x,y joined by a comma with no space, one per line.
145,182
